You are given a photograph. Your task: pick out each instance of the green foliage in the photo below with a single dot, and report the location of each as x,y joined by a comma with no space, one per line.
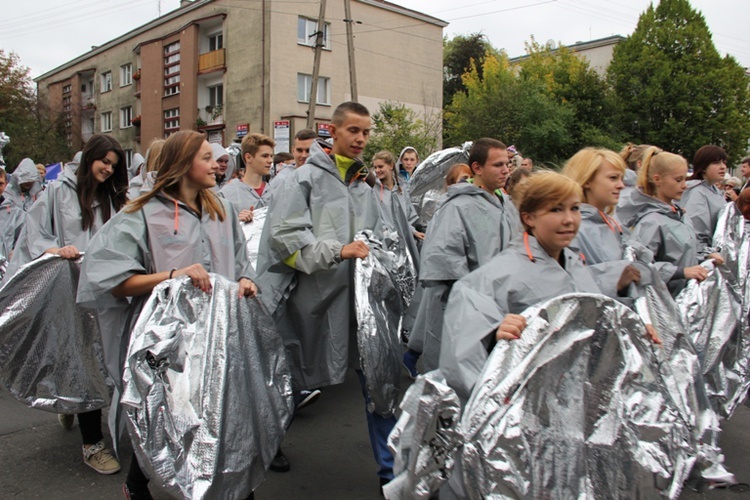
549,105
396,126
673,88
34,131
460,54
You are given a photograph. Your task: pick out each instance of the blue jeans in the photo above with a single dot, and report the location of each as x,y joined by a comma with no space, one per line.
379,428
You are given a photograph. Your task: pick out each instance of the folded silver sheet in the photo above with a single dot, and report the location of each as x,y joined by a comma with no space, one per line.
206,390
680,369
427,184
50,349
383,285
711,312
425,438
252,232
573,409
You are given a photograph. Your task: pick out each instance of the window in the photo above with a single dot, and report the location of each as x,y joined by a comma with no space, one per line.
171,121
215,42
216,95
172,69
304,85
107,121
66,89
107,81
126,114
306,30
126,74
128,157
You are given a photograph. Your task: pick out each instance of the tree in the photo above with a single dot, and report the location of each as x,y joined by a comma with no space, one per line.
35,131
673,88
396,126
460,54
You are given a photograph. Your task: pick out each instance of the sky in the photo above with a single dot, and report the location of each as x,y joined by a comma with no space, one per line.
48,33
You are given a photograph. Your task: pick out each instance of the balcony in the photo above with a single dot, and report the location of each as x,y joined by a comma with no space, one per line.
212,61
211,118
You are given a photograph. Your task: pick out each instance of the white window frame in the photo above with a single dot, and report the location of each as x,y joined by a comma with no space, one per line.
106,121
213,93
217,39
304,85
126,114
171,120
126,75
128,157
106,81
310,27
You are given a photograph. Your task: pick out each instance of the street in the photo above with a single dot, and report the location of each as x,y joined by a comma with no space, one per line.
327,446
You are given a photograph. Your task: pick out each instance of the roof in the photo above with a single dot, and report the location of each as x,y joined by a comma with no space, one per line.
407,12
581,46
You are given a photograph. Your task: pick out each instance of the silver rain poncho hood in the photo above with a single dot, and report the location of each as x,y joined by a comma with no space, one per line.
573,409
383,286
50,349
207,390
427,184
25,172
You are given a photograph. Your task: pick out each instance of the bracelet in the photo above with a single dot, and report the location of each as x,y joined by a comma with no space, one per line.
172,272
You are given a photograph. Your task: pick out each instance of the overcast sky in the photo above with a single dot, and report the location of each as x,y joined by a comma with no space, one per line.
48,33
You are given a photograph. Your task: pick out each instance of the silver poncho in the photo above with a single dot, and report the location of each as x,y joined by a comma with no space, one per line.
50,349
383,285
207,390
252,231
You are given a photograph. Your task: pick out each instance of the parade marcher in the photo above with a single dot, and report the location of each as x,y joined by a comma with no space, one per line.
484,306
223,172
703,199
63,221
251,191
745,172
310,228
135,166
468,229
527,164
407,162
144,180
732,187
280,162
658,223
459,172
632,154
179,228
601,238
300,151
516,178
11,218
25,185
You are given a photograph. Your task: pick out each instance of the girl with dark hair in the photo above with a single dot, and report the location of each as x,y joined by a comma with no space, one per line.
179,228
703,199
62,222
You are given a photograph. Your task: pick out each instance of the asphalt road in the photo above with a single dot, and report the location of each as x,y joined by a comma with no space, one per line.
327,446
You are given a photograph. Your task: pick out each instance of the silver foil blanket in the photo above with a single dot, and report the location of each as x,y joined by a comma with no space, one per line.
427,184
50,349
573,409
252,232
425,438
207,390
680,369
381,283
711,311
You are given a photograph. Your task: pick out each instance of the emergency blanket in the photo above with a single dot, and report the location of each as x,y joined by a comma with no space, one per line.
51,354
573,409
252,232
384,283
711,311
680,369
207,390
427,185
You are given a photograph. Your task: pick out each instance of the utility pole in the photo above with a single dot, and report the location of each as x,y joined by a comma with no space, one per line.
350,48
319,41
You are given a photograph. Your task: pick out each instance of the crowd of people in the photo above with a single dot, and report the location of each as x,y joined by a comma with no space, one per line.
505,232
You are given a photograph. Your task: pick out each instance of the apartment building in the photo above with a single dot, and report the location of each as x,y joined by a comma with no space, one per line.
229,68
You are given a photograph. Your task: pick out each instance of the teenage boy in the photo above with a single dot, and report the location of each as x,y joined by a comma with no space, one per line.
472,225
251,192
309,254
300,151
